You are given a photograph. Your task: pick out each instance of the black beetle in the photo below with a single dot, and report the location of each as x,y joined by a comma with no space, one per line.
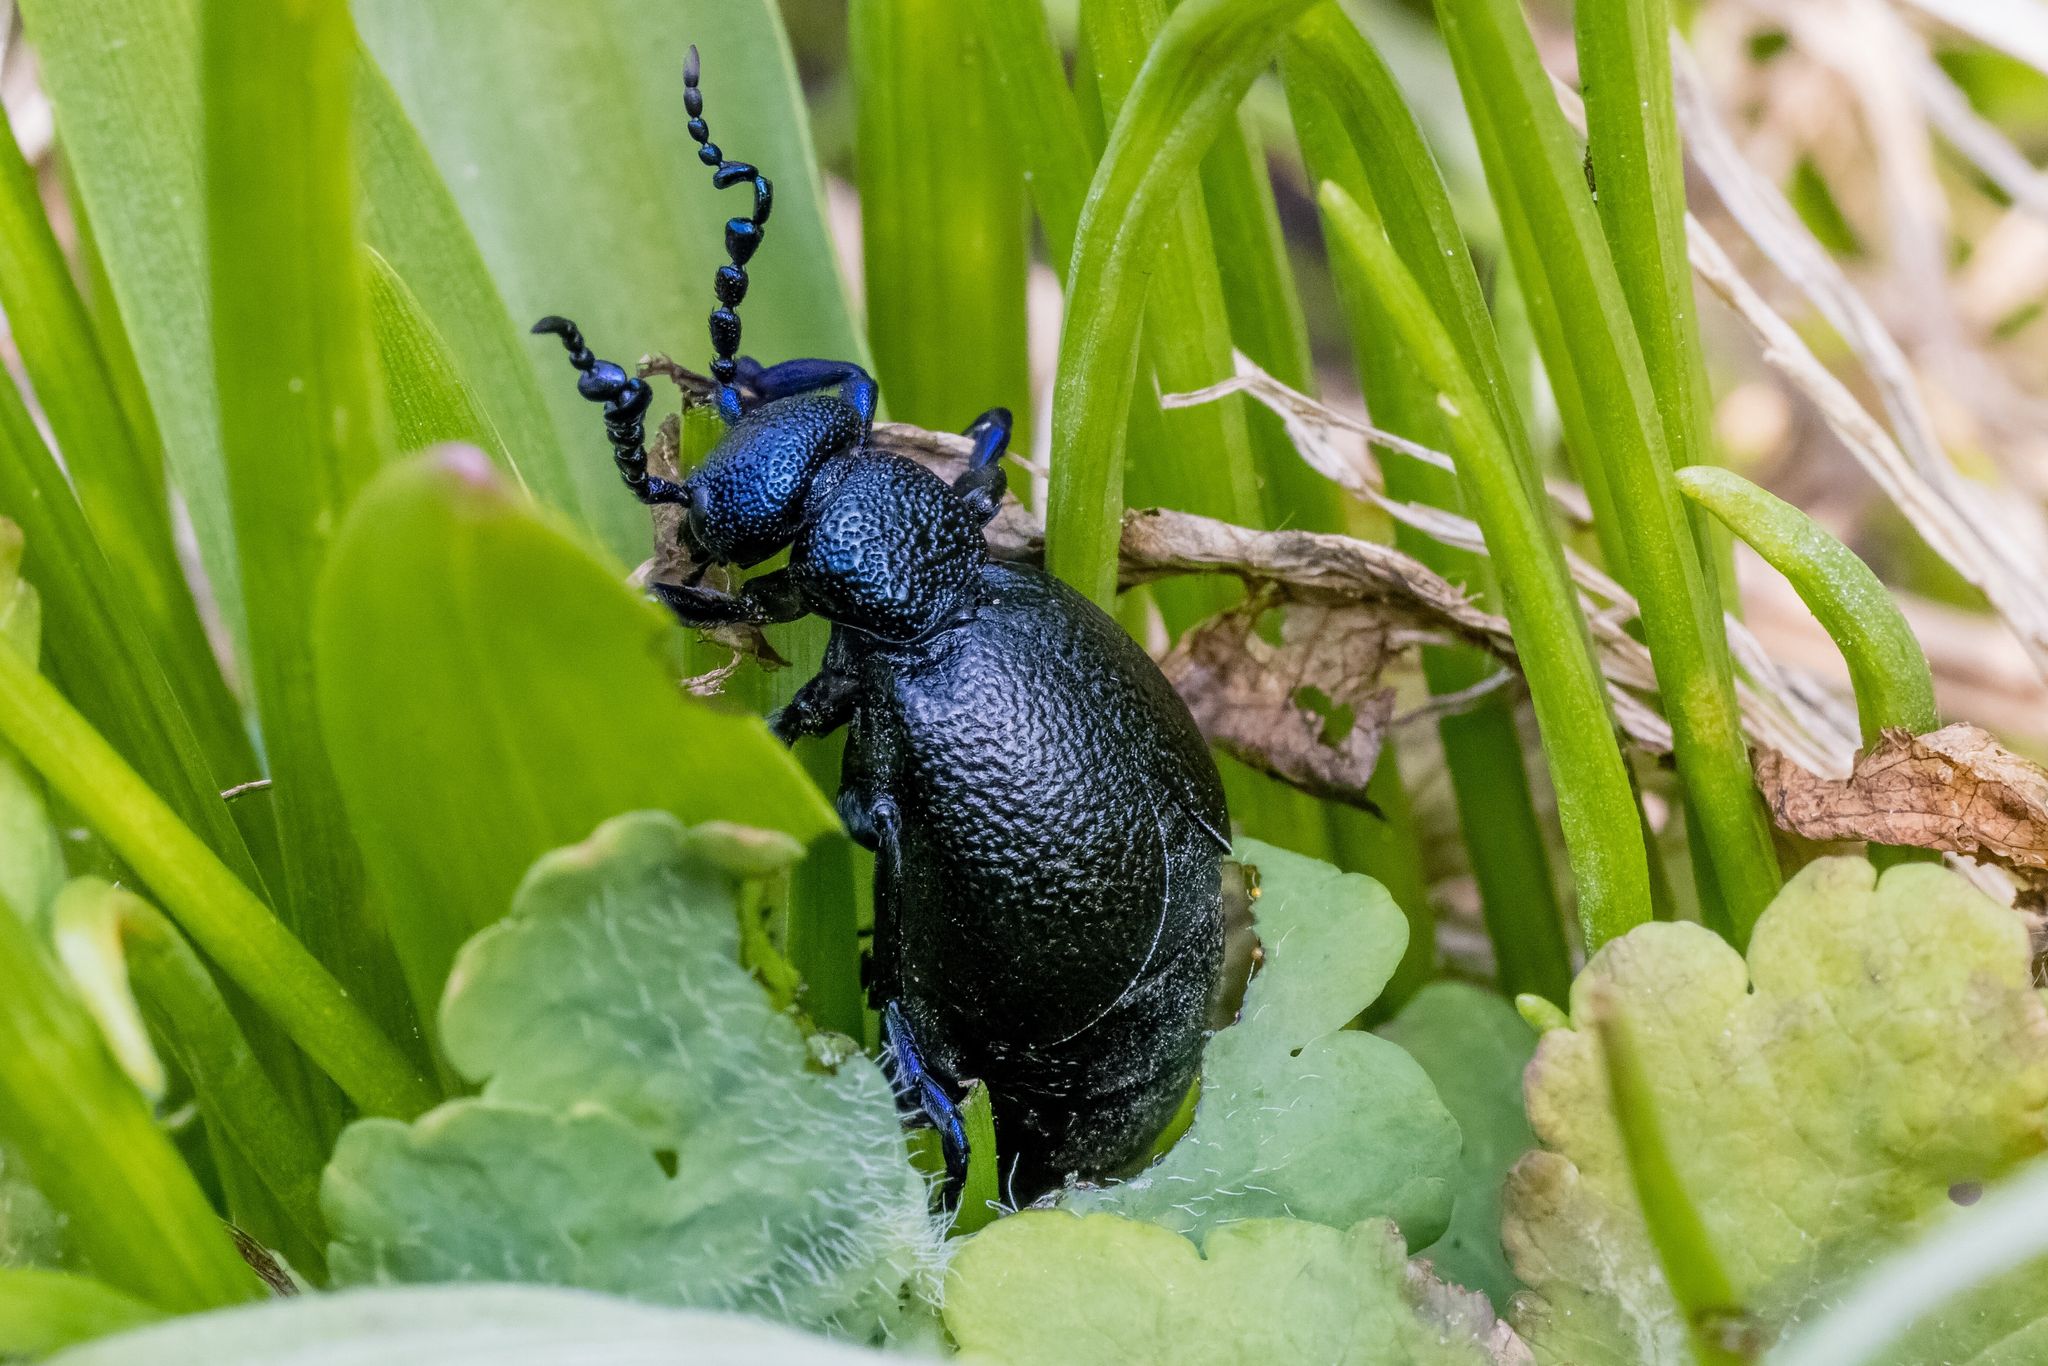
1048,825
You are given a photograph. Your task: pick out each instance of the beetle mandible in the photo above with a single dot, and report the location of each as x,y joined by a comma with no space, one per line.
1048,825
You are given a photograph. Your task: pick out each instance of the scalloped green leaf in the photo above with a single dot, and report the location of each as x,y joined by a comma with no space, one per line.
1045,1286
1883,1046
648,1125
1474,1047
1300,1117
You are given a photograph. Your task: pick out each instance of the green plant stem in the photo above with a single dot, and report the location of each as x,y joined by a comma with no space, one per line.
982,1191
184,1007
1327,66
1632,142
1535,174
90,1143
1596,805
1887,669
236,930
1197,71
1685,1250
43,1312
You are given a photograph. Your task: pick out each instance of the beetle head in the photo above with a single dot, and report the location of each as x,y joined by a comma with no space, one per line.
746,501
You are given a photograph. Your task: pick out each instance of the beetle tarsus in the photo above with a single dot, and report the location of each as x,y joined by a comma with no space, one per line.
918,1091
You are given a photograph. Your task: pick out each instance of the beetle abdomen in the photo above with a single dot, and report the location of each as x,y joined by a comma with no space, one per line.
1057,912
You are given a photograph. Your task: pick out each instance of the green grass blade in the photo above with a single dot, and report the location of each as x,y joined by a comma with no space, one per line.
1329,67
1685,1249
472,738
302,426
1192,81
123,76
184,1007
427,399
943,219
411,221
1596,804
119,479
559,130
1266,322
1047,135
236,930
42,1312
90,1143
1535,173
1632,145
97,648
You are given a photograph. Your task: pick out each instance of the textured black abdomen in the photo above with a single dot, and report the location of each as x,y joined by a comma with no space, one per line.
1058,923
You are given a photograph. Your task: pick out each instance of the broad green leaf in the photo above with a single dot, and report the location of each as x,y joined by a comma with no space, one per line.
1883,1046
1474,1047
31,1233
1298,1115
44,1311
648,1123
462,1325
1046,1287
559,129
491,690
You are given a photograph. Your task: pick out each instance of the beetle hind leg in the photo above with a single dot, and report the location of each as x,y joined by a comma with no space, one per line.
923,1095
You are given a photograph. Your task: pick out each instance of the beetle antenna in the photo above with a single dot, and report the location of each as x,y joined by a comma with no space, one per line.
742,237
625,398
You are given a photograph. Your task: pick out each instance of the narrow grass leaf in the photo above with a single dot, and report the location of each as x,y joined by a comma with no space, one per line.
1192,80
237,931
1328,65
1536,176
426,397
943,218
91,1143
301,424
119,477
1596,804
46,1311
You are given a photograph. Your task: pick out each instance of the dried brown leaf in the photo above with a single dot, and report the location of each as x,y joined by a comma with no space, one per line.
1308,710
1955,789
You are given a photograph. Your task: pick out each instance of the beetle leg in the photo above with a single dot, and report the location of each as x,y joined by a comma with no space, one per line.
915,1085
765,382
981,487
820,707
760,602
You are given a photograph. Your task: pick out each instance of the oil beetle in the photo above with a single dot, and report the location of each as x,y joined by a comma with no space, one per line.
1048,825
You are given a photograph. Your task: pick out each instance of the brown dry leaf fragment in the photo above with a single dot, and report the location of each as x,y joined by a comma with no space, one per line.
1955,789
1309,710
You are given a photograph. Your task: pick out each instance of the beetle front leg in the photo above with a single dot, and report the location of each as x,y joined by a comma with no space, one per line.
760,602
820,707
764,382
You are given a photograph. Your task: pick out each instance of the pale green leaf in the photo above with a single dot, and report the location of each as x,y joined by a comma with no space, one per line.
1298,1115
1883,1046
1473,1046
620,1041
1046,1287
